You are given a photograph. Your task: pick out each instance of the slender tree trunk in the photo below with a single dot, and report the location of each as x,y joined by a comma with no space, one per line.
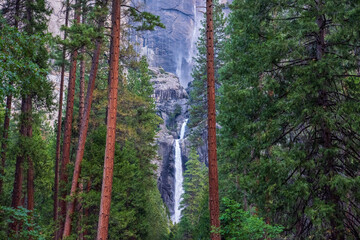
7,117
68,127
18,182
30,171
82,88
213,170
83,134
104,214
58,136
4,140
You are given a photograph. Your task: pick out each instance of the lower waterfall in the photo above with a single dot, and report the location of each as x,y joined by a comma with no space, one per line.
178,175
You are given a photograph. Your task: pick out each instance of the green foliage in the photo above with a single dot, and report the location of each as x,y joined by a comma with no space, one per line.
23,64
148,21
195,219
289,114
238,224
136,201
198,87
171,122
28,230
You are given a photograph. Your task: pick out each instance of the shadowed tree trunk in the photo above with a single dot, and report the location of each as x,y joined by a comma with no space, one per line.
25,130
58,136
68,127
213,171
104,214
4,140
7,116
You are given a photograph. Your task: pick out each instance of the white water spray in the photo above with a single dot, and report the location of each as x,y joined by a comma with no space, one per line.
178,176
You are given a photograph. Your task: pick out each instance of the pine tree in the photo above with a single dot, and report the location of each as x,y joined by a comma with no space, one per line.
59,120
212,148
111,124
34,88
289,114
65,158
195,200
85,121
198,98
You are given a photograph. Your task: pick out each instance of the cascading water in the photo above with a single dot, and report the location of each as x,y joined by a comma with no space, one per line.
178,175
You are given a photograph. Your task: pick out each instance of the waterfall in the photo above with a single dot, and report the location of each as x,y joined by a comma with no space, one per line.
178,175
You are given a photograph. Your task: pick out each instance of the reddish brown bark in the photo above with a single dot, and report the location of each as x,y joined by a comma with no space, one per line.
213,171
68,128
4,140
7,115
25,131
58,136
104,214
82,76
83,134
82,88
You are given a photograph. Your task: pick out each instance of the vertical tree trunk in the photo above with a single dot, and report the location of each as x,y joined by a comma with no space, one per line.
213,171
58,136
68,127
4,140
30,171
7,117
83,134
104,214
25,125
82,88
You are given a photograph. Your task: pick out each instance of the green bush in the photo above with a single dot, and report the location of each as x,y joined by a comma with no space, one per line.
237,224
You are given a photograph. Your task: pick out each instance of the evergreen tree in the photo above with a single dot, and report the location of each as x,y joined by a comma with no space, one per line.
194,222
289,114
198,98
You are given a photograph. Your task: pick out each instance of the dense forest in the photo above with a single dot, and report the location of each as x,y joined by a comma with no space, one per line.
273,103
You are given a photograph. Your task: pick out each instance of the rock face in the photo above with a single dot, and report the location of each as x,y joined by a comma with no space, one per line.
173,48
171,105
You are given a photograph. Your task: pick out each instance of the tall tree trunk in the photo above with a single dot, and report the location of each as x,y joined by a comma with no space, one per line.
58,136
82,88
68,127
4,140
30,171
104,214
7,117
83,134
213,170
82,75
25,125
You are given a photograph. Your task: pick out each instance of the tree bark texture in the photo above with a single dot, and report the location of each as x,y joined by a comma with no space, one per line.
4,140
25,132
68,127
58,136
213,170
83,134
104,214
7,116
